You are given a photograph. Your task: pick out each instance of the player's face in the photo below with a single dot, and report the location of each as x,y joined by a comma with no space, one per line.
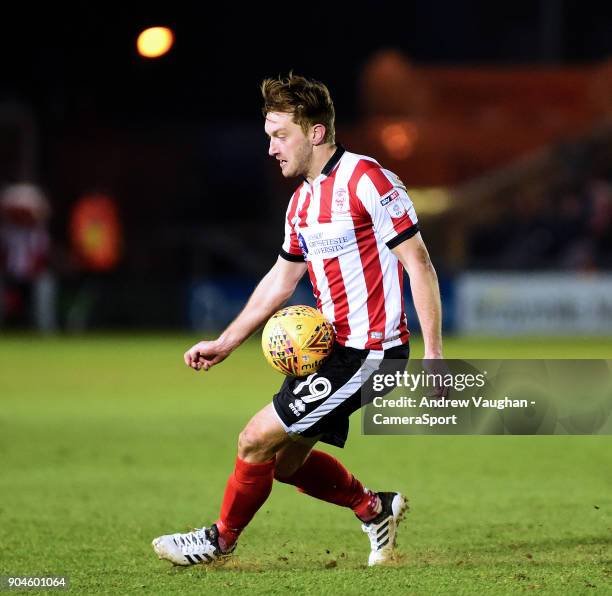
288,144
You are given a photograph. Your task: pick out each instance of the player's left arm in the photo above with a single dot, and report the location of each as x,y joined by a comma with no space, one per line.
385,198
414,256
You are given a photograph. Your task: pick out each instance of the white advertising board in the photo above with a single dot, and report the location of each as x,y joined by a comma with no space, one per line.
534,303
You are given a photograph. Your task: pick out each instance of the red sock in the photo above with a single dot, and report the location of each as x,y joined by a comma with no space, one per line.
247,488
324,477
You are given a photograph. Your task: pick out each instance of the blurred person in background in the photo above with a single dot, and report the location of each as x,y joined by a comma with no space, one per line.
96,238
27,286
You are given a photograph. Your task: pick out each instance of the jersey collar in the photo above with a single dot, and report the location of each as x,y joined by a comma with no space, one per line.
333,160
331,164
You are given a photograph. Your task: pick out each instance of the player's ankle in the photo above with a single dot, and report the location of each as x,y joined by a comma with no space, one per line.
369,507
227,537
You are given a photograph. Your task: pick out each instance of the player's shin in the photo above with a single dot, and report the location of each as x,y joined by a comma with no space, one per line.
247,489
324,477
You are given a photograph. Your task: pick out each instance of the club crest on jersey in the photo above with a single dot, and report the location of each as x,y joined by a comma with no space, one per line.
302,244
340,203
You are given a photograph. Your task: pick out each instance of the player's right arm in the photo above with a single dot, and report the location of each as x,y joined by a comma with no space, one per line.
269,295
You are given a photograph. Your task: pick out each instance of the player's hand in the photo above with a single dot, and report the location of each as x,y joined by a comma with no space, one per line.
435,364
205,354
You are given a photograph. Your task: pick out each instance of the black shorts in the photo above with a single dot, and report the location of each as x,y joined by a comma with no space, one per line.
321,403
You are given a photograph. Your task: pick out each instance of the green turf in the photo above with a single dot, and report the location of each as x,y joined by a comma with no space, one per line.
107,442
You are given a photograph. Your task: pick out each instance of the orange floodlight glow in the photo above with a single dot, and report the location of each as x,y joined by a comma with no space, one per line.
399,139
155,42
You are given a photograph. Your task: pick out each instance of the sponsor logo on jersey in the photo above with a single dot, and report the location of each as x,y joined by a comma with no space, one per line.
302,244
327,240
390,197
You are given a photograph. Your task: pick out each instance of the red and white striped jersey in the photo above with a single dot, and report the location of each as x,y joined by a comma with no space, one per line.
344,226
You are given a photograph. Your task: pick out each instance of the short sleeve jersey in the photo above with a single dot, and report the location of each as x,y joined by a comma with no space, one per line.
344,226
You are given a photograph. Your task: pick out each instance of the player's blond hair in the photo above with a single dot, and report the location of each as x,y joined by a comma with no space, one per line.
308,100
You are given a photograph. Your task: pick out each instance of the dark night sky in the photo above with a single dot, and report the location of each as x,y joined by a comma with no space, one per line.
166,137
70,65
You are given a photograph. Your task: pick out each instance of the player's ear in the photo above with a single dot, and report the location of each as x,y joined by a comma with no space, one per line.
318,134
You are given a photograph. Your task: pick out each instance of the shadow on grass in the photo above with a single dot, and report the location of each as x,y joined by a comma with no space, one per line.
291,564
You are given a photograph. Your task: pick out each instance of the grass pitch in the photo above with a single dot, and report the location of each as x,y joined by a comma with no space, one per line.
106,442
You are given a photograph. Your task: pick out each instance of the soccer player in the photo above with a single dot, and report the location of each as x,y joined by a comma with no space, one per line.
352,226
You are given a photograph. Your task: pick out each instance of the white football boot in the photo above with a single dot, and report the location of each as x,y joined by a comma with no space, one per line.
382,530
192,548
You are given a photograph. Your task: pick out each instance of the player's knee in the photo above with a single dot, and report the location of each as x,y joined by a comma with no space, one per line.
247,442
252,442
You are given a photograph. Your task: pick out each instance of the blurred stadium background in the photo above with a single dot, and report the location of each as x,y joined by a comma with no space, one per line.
139,208
162,209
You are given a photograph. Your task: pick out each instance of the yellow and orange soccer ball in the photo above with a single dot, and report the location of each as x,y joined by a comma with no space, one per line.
296,340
